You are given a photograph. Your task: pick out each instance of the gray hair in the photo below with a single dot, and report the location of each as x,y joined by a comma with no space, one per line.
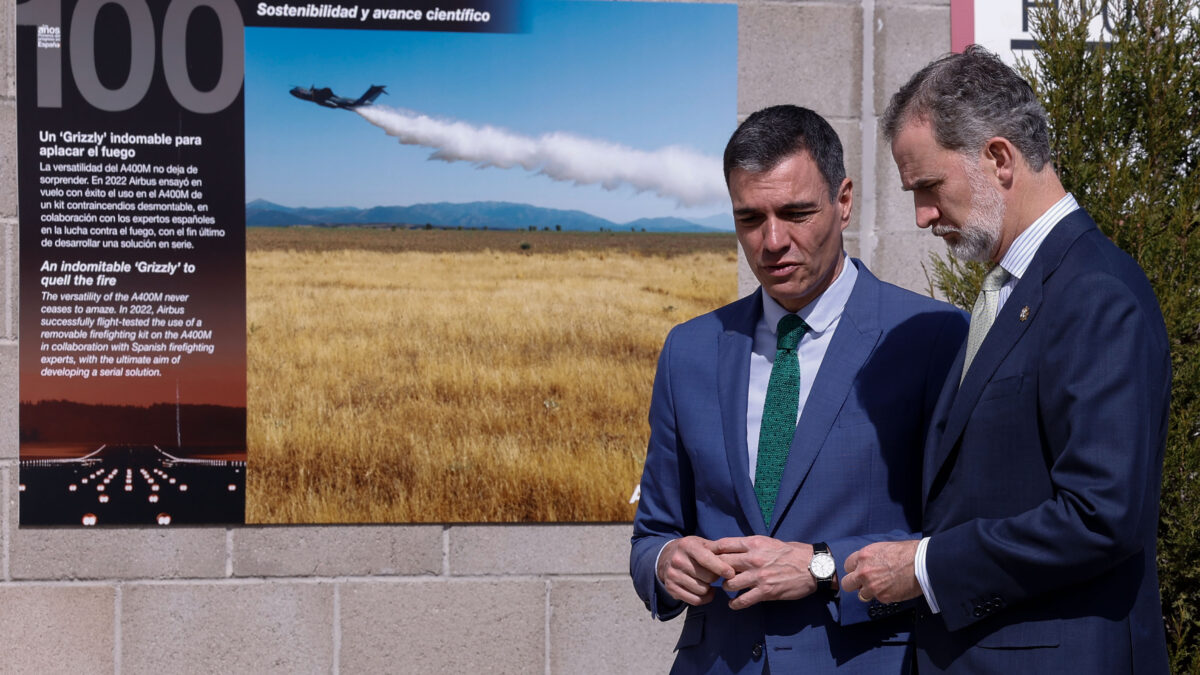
773,134
968,98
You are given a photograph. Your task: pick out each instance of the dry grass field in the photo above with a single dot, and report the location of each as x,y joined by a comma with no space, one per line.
460,376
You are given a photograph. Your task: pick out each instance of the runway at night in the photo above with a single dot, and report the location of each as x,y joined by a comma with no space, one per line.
132,485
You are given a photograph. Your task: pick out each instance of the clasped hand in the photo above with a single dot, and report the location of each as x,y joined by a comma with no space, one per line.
760,568
883,571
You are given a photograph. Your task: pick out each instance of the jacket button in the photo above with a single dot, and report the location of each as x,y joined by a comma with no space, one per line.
757,650
978,612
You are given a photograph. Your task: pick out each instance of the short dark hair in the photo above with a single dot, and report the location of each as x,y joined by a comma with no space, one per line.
773,134
968,98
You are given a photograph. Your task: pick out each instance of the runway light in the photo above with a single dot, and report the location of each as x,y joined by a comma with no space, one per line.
128,488
99,488
153,499
89,519
154,487
183,487
103,499
164,519
232,487
72,487
21,487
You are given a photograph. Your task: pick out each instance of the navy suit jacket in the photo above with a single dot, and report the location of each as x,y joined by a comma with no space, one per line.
852,475
1041,478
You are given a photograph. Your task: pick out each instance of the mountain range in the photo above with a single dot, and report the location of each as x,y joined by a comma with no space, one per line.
479,215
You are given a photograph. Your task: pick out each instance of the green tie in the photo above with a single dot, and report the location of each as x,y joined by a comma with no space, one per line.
779,413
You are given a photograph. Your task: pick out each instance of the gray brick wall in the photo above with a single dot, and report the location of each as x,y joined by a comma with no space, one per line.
425,598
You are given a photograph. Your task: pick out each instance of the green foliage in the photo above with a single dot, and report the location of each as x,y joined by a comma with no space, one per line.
958,281
1125,129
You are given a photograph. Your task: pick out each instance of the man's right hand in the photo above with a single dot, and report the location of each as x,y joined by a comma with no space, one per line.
687,567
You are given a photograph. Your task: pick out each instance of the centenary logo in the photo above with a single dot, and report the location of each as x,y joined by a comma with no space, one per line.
49,37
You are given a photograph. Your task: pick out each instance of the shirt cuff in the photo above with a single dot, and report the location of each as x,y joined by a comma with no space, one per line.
664,547
923,576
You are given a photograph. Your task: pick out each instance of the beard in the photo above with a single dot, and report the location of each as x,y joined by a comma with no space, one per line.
980,235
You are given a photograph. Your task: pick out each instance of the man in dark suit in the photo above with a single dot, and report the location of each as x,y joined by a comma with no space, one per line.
786,428
1042,472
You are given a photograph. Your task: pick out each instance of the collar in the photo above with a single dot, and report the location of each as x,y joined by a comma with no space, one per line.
822,312
1020,254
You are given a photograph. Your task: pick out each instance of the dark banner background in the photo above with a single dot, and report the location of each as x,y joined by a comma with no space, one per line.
88,71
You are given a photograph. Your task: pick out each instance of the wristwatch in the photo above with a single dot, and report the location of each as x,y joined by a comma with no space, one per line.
822,567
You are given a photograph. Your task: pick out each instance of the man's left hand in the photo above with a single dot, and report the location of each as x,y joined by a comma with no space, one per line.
884,571
766,569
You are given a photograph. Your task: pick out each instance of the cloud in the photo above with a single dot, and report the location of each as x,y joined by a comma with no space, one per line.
673,172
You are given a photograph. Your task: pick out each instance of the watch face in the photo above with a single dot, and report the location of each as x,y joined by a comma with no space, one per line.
823,566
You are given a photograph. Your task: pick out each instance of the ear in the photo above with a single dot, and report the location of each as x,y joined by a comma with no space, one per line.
845,201
1000,157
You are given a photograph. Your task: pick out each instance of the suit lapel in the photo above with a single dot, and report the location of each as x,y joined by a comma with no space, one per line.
1008,328
1014,318
853,341
734,345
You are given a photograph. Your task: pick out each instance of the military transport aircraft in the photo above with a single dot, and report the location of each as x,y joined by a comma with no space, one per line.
325,97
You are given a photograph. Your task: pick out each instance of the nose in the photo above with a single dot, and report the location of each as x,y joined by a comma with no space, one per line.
926,217
775,235
927,212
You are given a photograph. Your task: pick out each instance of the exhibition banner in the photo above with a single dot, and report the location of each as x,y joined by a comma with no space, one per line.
377,261
1006,26
132,358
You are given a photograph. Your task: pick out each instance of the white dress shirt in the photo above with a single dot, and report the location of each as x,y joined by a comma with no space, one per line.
822,316
1016,262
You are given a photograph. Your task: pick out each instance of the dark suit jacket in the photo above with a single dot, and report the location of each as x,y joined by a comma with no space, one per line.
1041,477
852,474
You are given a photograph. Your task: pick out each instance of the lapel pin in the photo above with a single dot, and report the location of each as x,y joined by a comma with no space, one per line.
1024,313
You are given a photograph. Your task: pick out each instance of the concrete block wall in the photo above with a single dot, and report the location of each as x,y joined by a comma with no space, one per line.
845,60
424,598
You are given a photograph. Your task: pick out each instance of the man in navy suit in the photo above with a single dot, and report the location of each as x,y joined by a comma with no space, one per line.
1042,472
751,499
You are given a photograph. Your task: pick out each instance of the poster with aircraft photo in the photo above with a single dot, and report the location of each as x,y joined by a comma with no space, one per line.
372,262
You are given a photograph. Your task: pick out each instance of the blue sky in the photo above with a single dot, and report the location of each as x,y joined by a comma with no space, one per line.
644,75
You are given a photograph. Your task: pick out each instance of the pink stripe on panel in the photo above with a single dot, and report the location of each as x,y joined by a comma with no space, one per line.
962,24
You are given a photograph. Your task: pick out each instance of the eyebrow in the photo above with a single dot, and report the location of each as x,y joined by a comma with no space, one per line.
790,206
801,206
921,183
